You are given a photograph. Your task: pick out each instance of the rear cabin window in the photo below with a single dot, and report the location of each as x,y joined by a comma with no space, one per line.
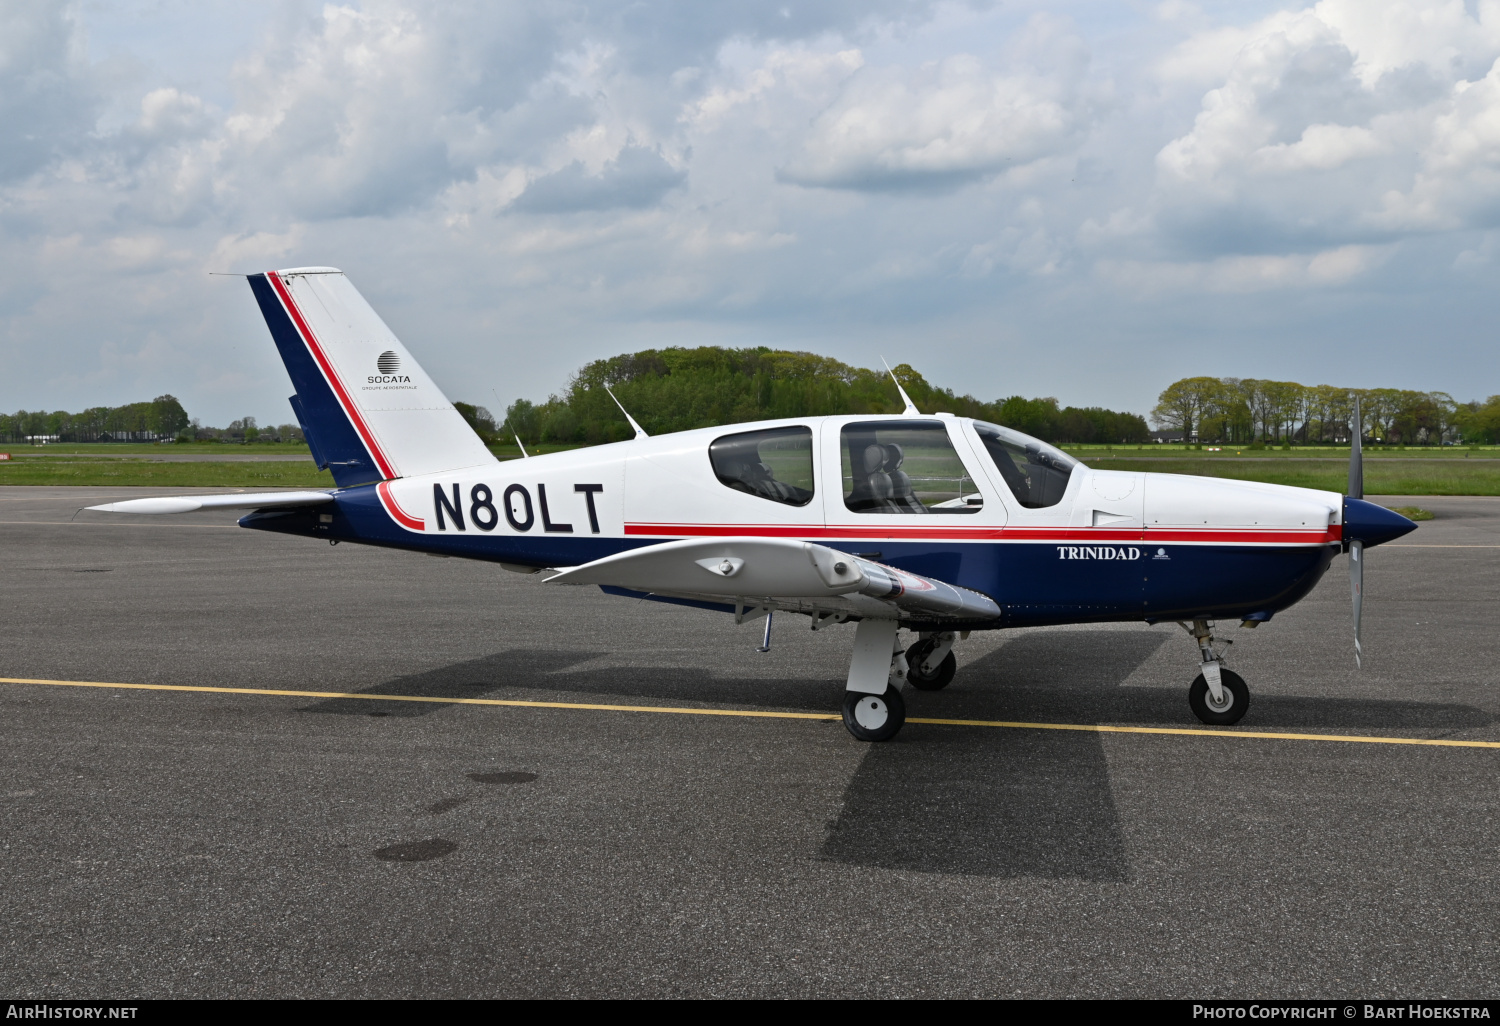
1036,473
775,464
904,467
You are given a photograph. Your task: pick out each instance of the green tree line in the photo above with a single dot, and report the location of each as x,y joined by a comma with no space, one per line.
1256,411
680,389
162,417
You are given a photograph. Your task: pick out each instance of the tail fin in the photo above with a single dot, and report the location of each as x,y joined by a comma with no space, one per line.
369,412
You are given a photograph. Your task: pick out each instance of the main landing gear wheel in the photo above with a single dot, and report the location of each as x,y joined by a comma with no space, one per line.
938,678
1236,699
874,717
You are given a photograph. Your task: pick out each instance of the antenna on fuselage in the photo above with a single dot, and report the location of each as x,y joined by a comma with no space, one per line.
513,433
911,407
640,432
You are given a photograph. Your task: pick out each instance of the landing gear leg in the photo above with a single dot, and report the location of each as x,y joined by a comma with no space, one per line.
873,709
1217,696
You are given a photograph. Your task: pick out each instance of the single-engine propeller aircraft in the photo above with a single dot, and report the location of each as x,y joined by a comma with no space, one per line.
938,525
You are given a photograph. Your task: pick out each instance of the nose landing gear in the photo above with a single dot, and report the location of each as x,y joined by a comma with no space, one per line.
1217,696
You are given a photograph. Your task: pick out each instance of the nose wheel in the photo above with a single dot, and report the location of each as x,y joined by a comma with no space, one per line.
1228,707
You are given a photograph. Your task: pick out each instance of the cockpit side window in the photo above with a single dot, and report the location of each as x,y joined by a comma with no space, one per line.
775,464
1036,473
902,466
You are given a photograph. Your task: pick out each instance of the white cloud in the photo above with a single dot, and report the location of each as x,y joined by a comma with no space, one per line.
947,121
802,74
520,186
1347,119
1244,274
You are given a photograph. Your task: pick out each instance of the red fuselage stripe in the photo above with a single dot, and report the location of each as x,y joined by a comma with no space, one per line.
1038,534
333,379
393,507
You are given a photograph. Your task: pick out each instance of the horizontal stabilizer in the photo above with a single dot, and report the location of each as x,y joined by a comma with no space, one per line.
784,573
192,503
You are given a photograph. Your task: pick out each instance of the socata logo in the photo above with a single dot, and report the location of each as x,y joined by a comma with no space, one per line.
388,363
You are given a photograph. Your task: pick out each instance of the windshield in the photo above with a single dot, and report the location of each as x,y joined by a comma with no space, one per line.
1036,473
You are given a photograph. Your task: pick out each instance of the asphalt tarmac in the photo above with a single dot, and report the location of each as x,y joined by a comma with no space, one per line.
211,844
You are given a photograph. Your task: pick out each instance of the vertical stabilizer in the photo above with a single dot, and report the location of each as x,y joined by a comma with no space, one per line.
368,409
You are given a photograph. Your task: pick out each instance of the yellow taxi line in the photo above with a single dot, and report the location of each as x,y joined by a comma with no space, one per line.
1097,728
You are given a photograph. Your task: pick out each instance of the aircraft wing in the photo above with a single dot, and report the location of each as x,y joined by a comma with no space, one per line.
777,573
192,503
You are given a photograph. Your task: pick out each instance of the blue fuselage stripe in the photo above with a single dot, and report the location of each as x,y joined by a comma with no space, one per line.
1033,582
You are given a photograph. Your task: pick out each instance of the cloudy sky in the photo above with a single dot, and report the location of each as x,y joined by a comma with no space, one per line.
1084,200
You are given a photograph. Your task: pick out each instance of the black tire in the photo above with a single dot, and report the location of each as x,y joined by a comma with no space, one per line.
874,717
1235,692
939,678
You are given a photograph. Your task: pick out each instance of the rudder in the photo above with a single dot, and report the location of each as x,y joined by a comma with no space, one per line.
367,408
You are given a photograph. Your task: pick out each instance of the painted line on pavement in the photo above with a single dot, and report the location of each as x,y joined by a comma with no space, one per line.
1097,728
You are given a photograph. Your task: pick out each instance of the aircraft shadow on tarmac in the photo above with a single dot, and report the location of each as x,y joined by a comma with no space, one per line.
1049,677
522,673
943,799
1038,803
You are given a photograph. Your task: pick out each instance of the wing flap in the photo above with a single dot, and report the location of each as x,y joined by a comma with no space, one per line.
193,503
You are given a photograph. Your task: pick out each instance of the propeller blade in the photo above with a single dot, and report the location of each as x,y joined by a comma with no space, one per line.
1357,457
1357,591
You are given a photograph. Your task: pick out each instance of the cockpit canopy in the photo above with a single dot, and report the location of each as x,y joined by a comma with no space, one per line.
903,465
1036,473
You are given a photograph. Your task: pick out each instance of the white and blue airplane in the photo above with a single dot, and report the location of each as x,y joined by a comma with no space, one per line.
937,525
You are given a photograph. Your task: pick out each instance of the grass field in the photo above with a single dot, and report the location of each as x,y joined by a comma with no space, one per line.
166,476
1299,453
26,453
1382,477
1408,472
147,449
109,465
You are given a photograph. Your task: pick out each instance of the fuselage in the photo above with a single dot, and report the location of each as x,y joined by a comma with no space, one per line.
1084,545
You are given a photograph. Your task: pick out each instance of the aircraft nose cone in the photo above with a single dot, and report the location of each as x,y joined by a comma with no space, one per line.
1372,524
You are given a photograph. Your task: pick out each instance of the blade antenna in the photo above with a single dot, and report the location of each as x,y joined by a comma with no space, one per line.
524,454
513,433
911,407
640,432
